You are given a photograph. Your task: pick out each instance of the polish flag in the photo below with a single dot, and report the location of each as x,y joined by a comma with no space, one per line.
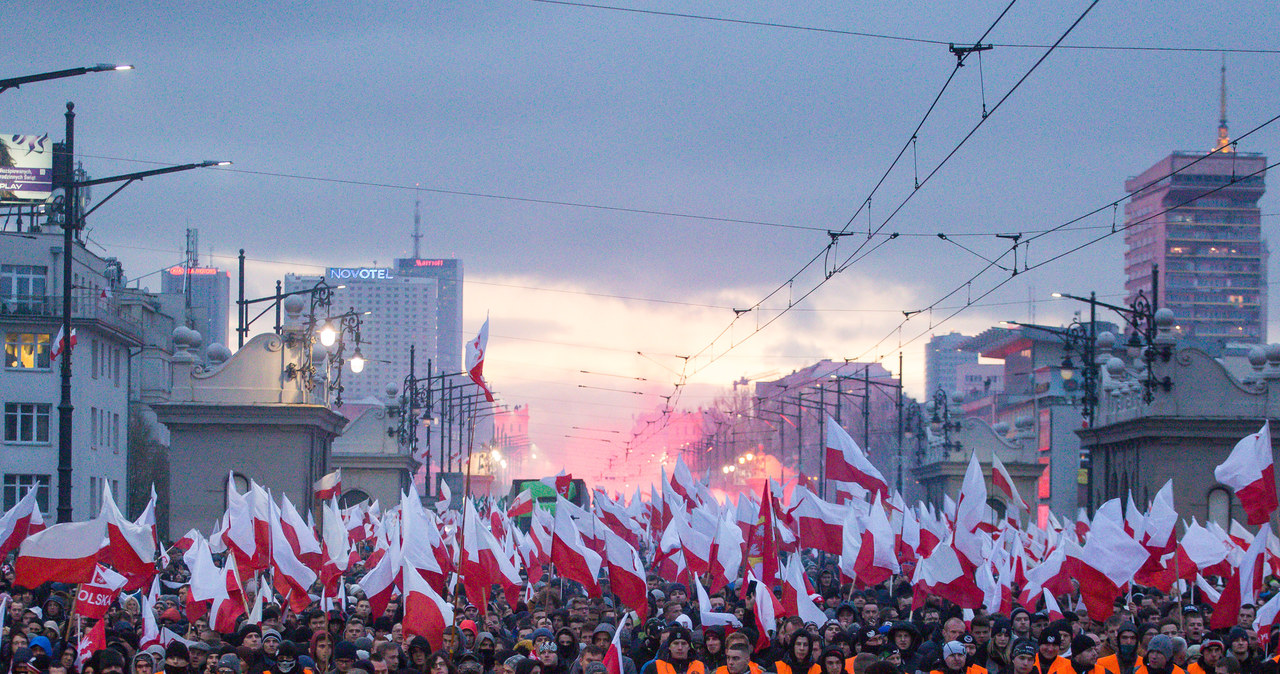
95,597
626,573
573,559
299,535
475,359
1268,617
613,657
767,609
941,573
761,552
1051,605
225,610
1250,471
64,553
682,481
426,614
93,640
328,486
876,560
1003,482
131,548
59,343
16,523
290,577
379,583
521,505
820,523
847,463
795,594
727,560
1104,565
559,482
1243,585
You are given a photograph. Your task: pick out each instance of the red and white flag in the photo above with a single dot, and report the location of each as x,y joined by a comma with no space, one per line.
16,523
1242,586
847,463
767,609
1250,471
66,553
59,344
426,614
573,559
93,640
613,662
1003,482
626,573
521,505
559,482
475,359
329,486
95,597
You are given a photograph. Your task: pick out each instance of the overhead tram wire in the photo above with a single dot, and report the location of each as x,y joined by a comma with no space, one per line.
855,255
897,38
1053,258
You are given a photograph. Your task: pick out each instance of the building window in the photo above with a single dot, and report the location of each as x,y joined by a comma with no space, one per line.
16,486
22,287
97,485
26,422
26,351
1219,507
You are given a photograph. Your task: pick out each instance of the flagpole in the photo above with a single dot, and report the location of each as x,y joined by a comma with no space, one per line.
67,632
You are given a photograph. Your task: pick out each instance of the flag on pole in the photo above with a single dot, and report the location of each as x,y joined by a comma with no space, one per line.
1250,471
60,343
475,359
329,486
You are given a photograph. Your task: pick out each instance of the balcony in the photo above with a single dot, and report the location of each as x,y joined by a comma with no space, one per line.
86,305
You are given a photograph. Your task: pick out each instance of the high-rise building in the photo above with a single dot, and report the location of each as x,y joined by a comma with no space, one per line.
204,293
1195,220
407,307
941,358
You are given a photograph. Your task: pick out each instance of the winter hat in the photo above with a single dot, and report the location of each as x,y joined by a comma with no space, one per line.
1082,643
231,662
1161,643
952,648
177,649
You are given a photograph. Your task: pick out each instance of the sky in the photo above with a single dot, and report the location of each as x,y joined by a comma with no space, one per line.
618,182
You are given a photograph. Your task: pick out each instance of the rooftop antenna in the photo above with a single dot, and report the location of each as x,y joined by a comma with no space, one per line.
1224,138
417,221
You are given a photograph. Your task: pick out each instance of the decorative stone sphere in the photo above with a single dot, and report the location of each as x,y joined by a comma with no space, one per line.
1106,341
318,353
1023,422
957,398
1164,318
218,353
184,337
1115,366
1001,427
391,390
1273,354
1257,357
294,304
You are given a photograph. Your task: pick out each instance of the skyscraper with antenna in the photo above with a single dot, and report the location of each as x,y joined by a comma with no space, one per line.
1193,223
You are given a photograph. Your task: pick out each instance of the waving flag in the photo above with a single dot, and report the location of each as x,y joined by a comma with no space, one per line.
1250,471
475,359
846,461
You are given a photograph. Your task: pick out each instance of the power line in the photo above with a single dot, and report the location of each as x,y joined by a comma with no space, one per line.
899,38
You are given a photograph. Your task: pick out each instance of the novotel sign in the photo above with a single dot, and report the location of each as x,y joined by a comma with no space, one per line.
362,273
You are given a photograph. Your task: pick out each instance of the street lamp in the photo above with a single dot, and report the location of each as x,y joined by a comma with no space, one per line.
72,223
15,82
328,335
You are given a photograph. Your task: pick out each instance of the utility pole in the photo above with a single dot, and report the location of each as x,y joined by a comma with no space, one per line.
898,405
70,216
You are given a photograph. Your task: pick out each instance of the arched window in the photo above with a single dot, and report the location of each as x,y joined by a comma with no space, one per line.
1219,510
352,497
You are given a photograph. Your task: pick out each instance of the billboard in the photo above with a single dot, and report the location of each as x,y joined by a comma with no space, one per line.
26,168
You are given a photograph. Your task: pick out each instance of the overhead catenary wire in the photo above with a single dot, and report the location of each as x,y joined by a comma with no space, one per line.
900,38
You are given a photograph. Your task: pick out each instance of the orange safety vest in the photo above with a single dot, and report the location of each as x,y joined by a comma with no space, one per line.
664,667
971,669
1110,664
783,668
1143,670
1060,665
753,668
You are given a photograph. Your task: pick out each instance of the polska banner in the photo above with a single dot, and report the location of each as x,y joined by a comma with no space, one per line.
95,597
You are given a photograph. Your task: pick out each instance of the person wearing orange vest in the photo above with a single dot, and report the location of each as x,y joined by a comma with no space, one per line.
737,660
1047,659
1211,650
1126,659
678,659
955,660
799,657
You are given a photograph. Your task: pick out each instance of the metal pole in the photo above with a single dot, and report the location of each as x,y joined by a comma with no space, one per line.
426,455
898,405
866,409
279,325
241,308
822,434
69,223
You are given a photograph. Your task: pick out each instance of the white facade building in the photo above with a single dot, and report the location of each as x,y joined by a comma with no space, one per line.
404,311
30,317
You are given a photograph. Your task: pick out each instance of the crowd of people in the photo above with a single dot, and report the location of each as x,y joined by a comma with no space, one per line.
557,629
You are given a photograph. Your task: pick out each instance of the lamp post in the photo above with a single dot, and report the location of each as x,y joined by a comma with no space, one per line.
15,82
941,421
1081,338
72,223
